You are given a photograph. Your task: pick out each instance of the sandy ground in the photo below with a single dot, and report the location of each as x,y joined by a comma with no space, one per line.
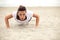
49,28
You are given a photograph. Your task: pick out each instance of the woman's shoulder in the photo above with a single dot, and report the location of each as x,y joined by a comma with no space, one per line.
29,11
14,13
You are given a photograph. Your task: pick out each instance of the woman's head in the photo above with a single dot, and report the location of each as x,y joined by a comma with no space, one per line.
21,12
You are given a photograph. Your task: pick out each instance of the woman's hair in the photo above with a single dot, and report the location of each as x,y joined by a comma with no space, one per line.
21,8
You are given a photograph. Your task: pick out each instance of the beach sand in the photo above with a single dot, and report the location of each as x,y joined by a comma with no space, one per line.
48,29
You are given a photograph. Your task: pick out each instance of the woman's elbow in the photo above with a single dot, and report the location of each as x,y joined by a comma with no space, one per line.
38,17
6,18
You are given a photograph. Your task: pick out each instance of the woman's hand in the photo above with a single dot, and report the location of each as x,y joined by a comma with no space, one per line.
8,27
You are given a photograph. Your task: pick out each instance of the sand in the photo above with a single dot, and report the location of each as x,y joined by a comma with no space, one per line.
48,29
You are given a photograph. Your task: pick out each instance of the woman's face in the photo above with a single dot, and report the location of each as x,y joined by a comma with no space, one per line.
21,15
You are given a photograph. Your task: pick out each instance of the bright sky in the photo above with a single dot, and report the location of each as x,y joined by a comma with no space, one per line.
30,3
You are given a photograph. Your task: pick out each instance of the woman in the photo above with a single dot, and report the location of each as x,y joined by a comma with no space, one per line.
22,15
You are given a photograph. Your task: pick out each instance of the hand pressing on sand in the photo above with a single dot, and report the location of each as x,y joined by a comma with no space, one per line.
36,27
8,27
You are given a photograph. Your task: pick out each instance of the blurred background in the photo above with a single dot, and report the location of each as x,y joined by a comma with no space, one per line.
29,3
49,25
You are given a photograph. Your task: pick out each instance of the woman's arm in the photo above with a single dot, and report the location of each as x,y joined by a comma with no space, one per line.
7,20
37,19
